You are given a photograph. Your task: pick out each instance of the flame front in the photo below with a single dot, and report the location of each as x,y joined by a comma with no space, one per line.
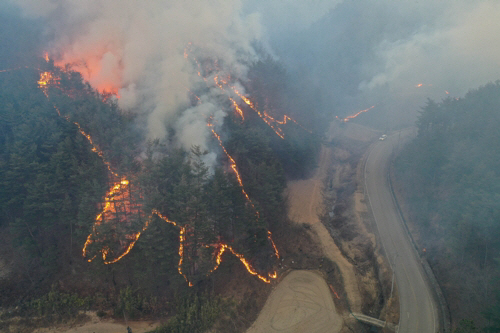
346,119
223,83
232,162
248,266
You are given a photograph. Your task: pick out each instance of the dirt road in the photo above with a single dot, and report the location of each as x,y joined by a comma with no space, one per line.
300,303
306,201
285,303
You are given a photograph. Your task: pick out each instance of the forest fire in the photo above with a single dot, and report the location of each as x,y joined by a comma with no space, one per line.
219,251
346,119
46,79
237,108
120,208
223,247
222,83
232,162
92,71
250,269
118,203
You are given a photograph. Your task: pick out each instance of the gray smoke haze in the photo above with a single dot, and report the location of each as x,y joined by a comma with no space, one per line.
351,54
362,53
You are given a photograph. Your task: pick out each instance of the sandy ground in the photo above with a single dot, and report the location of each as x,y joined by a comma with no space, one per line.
97,325
305,204
301,302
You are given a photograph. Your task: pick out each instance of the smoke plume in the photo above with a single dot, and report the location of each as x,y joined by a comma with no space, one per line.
137,50
347,54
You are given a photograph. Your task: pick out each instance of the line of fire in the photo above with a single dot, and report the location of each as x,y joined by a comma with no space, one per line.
122,220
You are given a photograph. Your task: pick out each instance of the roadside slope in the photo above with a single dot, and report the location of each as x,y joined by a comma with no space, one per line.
305,199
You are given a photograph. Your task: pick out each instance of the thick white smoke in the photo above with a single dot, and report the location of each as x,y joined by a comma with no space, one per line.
136,48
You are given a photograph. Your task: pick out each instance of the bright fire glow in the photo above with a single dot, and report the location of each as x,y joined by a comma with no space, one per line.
104,80
47,79
219,250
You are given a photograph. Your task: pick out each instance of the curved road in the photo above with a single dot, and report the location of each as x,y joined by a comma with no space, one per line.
418,311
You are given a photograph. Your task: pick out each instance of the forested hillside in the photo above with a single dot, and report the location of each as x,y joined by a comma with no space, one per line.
93,216
451,180
50,178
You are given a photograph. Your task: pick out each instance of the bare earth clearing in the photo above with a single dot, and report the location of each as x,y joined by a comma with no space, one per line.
301,302
305,206
97,325
306,202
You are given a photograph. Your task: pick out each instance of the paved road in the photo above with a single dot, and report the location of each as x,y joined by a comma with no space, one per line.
418,309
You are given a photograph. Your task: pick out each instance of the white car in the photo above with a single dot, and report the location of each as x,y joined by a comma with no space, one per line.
382,138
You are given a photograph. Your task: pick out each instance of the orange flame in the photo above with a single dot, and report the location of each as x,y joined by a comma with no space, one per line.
333,291
232,162
118,206
250,269
269,236
221,83
47,79
345,120
218,254
237,108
